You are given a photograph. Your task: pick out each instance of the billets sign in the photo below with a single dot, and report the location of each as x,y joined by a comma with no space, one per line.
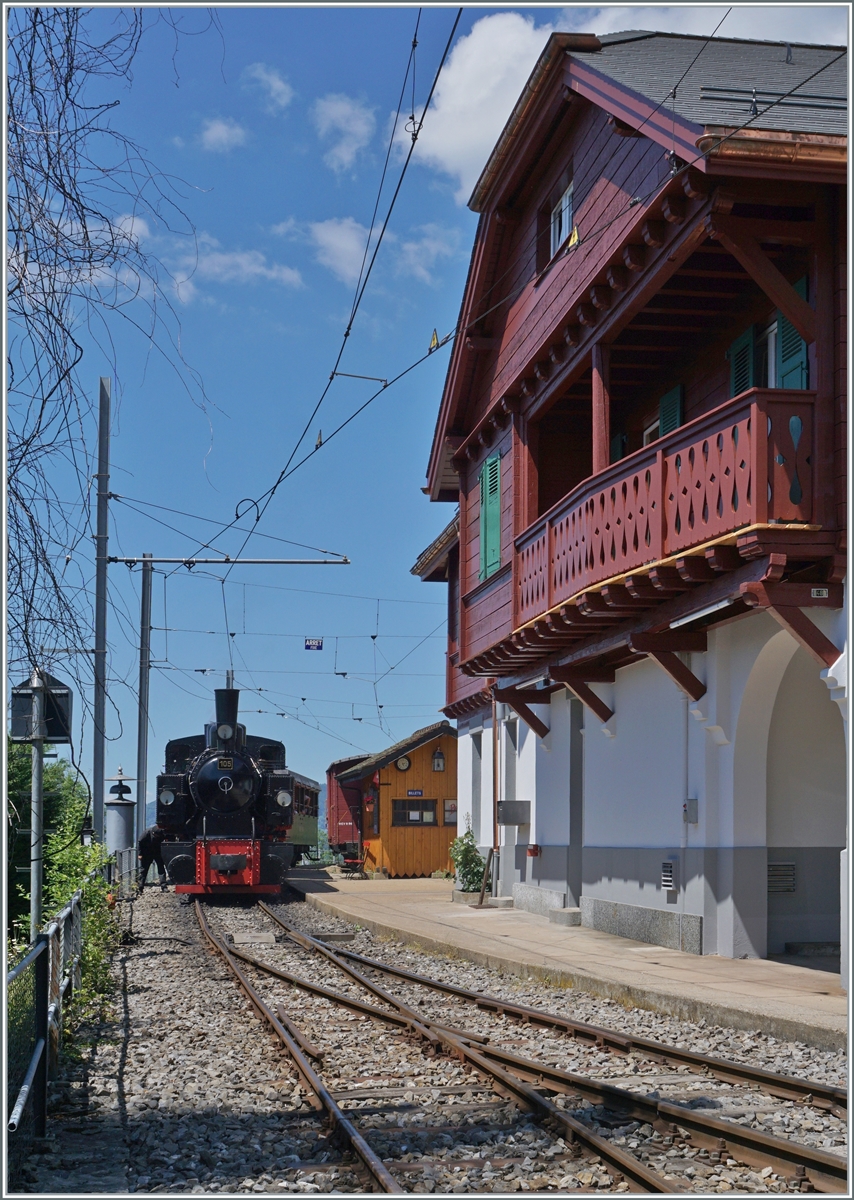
414,792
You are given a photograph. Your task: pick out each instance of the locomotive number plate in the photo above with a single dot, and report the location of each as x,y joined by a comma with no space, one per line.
226,764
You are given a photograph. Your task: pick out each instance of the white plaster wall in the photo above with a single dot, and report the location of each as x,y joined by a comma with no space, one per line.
806,761
486,785
550,825
464,796
633,781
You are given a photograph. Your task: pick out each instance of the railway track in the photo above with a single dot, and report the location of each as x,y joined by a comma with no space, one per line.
673,1143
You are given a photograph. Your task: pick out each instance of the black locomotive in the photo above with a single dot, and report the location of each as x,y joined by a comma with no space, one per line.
230,808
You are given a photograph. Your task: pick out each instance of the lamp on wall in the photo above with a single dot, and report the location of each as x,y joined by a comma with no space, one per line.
438,759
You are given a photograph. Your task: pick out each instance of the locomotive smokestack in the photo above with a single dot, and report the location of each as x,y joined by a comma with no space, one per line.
227,702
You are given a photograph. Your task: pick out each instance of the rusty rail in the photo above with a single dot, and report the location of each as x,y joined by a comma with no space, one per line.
463,1047
783,1087
824,1171
384,1181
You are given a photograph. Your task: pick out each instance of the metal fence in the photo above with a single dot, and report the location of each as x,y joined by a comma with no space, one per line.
125,872
36,990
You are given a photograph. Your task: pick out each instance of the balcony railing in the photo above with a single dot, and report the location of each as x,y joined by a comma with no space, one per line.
749,461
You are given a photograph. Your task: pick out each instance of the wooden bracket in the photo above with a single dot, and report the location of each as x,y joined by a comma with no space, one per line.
684,678
746,250
672,640
774,597
576,680
512,697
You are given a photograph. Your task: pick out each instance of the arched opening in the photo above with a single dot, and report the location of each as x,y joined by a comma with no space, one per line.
805,813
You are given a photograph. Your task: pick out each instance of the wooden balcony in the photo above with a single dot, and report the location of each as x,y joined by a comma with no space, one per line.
748,462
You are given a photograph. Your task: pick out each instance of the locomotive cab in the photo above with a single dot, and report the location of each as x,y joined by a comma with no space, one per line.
226,803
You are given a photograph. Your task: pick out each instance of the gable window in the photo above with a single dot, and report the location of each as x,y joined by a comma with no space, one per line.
490,517
772,355
561,221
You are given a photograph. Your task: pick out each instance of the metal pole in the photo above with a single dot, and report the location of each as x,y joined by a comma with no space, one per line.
142,720
229,679
496,792
36,806
101,546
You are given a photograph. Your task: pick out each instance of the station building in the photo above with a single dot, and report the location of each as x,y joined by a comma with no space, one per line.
643,433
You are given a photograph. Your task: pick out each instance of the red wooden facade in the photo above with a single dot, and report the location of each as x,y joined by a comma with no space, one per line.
563,362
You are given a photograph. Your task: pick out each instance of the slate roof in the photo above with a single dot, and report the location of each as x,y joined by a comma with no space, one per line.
718,89
376,762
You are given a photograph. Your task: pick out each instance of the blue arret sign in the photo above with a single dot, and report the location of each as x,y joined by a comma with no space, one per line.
314,643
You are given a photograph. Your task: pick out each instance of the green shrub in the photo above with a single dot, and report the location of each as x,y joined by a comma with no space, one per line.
468,862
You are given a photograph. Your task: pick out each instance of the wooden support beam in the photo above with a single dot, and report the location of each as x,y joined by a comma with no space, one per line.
510,696
526,695
674,640
784,601
601,407
684,678
695,570
724,558
589,699
773,283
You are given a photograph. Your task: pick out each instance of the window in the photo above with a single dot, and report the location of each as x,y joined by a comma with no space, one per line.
450,812
772,356
650,434
490,516
670,411
413,812
561,221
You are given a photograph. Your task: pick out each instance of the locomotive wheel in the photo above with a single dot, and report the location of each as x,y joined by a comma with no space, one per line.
182,869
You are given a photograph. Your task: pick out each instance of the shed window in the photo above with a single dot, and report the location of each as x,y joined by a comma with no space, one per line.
561,221
490,516
413,812
450,814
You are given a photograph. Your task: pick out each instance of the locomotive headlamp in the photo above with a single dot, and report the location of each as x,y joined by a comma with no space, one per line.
167,797
224,732
284,799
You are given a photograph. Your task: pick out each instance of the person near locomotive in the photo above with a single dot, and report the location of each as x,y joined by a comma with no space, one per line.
150,852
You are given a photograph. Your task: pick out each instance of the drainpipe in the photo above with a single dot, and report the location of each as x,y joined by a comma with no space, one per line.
683,833
496,764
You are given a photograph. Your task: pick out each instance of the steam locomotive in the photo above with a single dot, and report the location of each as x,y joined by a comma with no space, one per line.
235,817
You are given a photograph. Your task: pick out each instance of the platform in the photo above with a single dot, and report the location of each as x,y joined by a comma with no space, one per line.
781,999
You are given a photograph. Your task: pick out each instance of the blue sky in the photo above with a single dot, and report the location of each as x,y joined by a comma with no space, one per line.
278,129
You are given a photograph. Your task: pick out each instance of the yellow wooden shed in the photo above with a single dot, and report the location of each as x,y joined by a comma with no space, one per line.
402,802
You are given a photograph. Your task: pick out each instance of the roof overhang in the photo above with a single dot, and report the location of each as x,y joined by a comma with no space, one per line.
376,762
432,563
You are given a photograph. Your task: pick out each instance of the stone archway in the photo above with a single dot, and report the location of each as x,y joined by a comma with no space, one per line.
805,810
742,866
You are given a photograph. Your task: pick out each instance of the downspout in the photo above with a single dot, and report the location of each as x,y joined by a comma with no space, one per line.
683,834
496,763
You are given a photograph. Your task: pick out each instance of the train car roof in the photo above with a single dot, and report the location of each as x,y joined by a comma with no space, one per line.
305,781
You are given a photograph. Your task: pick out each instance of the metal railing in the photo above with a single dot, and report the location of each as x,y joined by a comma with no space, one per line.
37,988
125,872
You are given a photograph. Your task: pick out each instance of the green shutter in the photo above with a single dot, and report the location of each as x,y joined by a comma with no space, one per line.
792,361
741,363
490,516
618,447
670,411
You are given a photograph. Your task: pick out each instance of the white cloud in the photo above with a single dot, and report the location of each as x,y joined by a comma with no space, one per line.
481,82
488,68
215,265
417,256
221,134
340,245
278,91
286,228
351,122
797,23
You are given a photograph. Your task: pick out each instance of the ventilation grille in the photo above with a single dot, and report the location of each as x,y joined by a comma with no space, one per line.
781,877
668,877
